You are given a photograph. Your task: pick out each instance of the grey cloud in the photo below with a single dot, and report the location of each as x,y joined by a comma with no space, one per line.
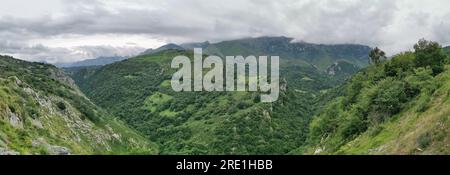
442,30
334,22
41,53
373,22
193,20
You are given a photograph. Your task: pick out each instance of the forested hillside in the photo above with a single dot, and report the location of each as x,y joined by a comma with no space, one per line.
320,55
43,112
400,106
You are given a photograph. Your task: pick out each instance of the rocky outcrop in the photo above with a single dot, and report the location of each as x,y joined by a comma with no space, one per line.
59,75
51,149
4,151
58,150
341,68
14,119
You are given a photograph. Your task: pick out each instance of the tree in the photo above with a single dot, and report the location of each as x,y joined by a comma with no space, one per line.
429,53
377,55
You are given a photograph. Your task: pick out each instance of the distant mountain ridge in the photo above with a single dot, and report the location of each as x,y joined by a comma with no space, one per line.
100,61
320,55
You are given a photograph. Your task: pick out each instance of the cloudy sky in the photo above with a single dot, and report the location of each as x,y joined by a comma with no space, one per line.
69,30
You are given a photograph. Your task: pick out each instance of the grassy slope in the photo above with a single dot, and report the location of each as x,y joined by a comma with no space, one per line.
52,113
354,123
411,132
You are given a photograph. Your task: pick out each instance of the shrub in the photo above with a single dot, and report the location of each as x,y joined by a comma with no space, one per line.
33,112
61,105
12,108
400,64
424,140
390,98
352,125
326,123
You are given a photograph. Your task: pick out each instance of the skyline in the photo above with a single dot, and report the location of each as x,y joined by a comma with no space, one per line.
66,31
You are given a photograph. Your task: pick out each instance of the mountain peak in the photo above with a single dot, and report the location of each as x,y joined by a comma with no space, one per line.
170,46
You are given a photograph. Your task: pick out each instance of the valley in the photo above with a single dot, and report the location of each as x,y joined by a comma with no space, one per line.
138,91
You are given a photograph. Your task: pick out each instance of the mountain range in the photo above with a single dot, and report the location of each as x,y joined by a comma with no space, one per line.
320,55
100,61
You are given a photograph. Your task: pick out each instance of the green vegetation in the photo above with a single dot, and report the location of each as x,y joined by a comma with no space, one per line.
42,112
390,107
446,50
430,54
138,91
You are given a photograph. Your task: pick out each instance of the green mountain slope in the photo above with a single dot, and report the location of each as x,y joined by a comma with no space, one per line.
447,50
396,107
138,90
320,55
43,112
100,61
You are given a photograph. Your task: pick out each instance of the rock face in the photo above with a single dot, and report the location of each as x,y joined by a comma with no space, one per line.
318,151
15,120
4,151
58,150
59,75
342,69
51,149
